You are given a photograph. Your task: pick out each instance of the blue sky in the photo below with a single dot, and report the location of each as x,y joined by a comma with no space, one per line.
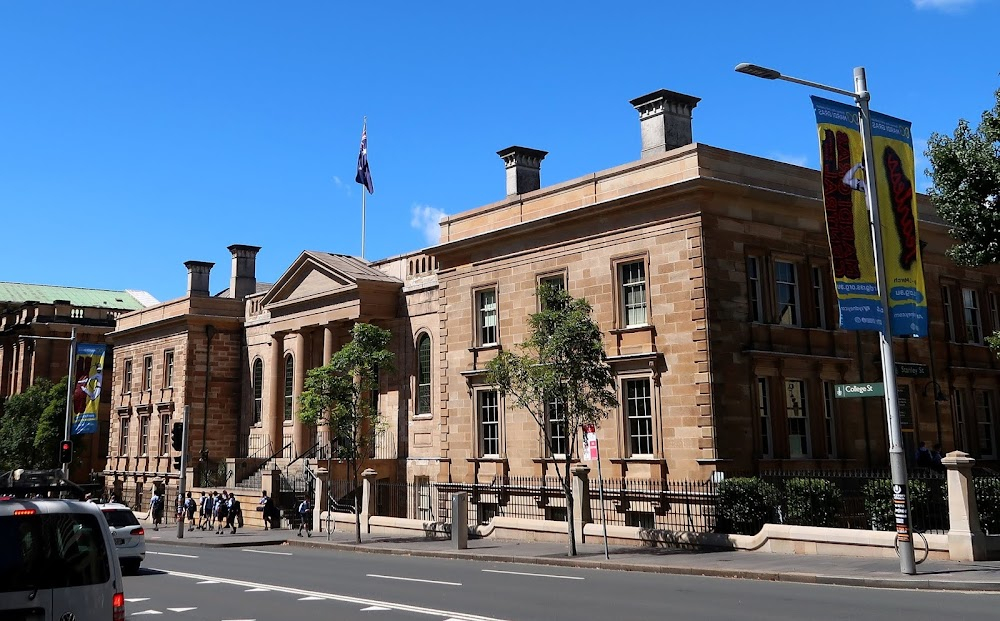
137,135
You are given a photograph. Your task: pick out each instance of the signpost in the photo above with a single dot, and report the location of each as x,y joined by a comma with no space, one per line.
591,452
849,391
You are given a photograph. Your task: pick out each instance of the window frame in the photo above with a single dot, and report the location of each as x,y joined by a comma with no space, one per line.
804,418
994,309
557,430
164,434
168,368
123,436
958,405
482,314
972,316
830,418
765,426
559,279
495,439
422,404
755,292
127,376
949,314
634,441
986,418
818,290
288,393
796,303
257,382
147,373
622,305
144,436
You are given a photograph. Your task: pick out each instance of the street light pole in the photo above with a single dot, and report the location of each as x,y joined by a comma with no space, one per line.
897,459
70,384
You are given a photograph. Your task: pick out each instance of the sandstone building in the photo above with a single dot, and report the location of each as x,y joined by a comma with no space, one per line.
708,271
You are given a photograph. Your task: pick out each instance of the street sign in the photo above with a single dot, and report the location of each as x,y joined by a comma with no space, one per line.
912,369
590,443
850,391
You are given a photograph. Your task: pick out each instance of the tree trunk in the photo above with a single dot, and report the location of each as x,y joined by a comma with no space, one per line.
357,506
570,529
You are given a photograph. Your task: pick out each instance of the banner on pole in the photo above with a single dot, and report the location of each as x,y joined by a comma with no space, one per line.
88,371
847,222
589,452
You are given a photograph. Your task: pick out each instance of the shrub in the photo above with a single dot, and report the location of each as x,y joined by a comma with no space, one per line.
812,502
745,504
879,513
988,503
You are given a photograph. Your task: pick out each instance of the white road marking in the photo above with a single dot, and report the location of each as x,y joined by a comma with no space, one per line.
414,579
182,609
209,582
267,552
451,616
311,598
172,554
370,608
133,600
257,590
147,612
521,573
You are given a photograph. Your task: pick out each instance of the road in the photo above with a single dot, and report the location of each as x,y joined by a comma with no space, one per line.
301,584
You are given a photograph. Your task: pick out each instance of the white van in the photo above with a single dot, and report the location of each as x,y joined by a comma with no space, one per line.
57,563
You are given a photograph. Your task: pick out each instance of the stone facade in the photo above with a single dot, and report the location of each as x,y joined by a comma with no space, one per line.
681,254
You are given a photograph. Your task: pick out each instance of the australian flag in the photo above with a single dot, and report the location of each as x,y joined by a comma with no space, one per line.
364,176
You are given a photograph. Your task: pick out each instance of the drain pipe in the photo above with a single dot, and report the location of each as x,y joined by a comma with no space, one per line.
203,457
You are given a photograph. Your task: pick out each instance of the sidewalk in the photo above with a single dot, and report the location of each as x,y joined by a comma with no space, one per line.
836,570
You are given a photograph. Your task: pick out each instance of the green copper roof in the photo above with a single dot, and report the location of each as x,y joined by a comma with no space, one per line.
16,293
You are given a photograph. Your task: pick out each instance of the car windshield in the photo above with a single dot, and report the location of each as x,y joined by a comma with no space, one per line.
120,518
47,551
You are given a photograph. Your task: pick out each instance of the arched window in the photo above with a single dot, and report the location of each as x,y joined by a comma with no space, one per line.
289,374
424,374
258,390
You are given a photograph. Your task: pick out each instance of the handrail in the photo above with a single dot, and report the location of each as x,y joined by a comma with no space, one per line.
263,449
307,454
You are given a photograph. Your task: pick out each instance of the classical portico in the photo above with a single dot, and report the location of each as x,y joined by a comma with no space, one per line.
300,323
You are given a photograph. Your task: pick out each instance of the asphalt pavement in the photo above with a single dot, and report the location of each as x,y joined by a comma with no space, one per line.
248,583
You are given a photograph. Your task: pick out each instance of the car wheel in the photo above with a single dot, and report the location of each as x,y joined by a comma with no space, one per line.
130,567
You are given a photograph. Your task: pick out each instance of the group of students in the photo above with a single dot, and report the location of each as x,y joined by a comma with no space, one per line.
215,511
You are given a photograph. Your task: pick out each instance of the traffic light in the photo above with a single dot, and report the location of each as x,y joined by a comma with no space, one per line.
177,436
65,452
177,463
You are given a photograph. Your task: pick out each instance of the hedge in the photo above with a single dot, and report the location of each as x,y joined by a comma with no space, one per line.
745,504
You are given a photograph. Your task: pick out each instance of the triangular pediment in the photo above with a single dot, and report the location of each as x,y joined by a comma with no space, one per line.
315,275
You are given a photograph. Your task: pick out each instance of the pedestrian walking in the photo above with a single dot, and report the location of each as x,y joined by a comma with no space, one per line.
266,506
204,510
222,514
305,517
190,507
234,518
156,510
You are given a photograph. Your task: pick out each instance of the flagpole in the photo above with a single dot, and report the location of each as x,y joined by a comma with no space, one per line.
362,223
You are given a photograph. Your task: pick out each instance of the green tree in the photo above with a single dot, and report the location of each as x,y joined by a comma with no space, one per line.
965,169
32,426
561,377
340,395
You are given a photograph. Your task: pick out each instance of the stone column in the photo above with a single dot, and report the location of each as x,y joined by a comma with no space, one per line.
367,498
581,499
966,540
300,432
276,416
329,342
319,497
5,354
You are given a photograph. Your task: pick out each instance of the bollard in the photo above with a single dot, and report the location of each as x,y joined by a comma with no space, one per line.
460,520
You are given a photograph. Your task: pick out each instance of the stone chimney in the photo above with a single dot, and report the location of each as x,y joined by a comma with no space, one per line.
198,272
523,169
665,121
243,281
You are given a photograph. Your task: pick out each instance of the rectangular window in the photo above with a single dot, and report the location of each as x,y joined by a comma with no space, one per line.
555,413
423,500
764,414
797,418
123,435
973,319
486,305
994,313
127,377
147,373
144,435
557,282
489,423
819,303
632,277
164,434
168,369
639,412
949,316
984,422
829,421
958,402
786,289
753,289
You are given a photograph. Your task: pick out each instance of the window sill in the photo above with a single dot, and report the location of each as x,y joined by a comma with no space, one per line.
423,417
646,327
554,460
487,460
645,459
478,348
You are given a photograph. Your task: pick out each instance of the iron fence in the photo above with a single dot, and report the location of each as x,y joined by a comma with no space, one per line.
656,504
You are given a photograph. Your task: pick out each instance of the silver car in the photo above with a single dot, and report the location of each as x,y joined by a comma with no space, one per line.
129,536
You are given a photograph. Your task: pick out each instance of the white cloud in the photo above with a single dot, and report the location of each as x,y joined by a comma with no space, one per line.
797,160
340,185
943,5
426,219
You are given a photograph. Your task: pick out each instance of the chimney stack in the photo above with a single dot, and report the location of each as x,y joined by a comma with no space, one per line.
664,120
198,273
523,169
243,281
